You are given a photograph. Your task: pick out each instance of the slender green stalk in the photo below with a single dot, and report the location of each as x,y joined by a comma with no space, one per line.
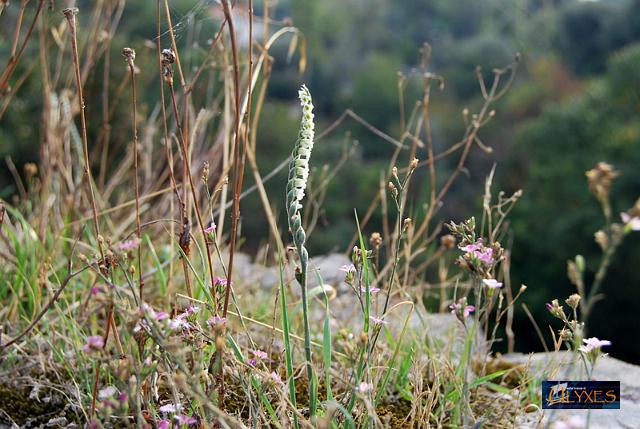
296,187
287,347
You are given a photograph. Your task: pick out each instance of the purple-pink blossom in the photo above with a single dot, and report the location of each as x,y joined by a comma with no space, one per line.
164,424
129,244
94,342
186,420
372,290
179,323
593,343
378,321
216,320
161,315
365,387
219,281
632,222
478,251
210,229
275,377
349,269
485,255
259,354
169,408
472,247
492,283
466,311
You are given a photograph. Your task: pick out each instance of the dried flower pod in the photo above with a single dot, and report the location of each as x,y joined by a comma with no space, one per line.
375,239
393,190
185,237
448,241
129,54
413,164
600,179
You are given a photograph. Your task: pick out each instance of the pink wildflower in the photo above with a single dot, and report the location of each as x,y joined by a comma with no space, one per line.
192,310
466,311
259,354
349,269
364,387
485,255
276,378
129,244
592,344
492,283
164,424
169,408
186,420
94,342
161,315
210,229
378,321
472,247
631,222
219,281
179,323
216,320
372,290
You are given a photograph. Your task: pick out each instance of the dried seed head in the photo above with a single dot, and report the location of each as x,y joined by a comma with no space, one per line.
129,54
70,12
168,58
394,172
573,300
375,239
413,164
602,239
448,241
30,169
205,172
600,179
407,223
393,190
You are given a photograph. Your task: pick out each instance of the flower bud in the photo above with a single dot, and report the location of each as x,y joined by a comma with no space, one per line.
393,190
413,164
448,241
375,239
573,301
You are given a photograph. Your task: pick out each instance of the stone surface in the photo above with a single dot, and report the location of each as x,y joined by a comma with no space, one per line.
559,366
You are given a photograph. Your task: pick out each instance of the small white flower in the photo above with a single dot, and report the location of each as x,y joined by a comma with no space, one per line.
169,408
632,223
364,387
107,392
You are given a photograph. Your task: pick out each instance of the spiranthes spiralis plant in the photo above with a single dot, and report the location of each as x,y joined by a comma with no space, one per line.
296,186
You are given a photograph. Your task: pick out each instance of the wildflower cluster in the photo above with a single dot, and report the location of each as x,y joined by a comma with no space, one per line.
478,257
573,331
461,310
